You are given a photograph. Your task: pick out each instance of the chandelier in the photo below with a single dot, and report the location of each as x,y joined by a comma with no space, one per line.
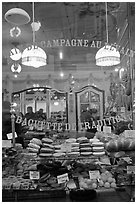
34,56
107,55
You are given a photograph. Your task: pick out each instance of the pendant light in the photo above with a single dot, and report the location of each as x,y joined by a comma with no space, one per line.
107,55
33,55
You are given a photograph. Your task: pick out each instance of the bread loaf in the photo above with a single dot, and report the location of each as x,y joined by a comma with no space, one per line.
99,154
86,153
47,140
82,139
97,144
33,150
45,154
36,141
59,154
47,145
32,145
46,150
98,149
71,140
85,149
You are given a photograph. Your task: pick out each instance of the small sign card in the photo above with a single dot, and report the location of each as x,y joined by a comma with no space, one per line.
9,136
94,174
106,129
34,175
62,178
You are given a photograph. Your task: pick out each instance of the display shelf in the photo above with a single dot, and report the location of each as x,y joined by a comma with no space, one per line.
103,195
21,195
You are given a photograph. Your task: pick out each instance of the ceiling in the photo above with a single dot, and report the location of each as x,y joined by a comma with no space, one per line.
65,20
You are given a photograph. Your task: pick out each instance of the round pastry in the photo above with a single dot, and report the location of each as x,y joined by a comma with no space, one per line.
47,145
47,140
32,145
45,155
72,140
86,153
85,144
93,140
46,150
36,141
73,153
34,154
57,150
59,154
98,149
97,144
75,149
85,149
33,150
82,139
99,154
57,146
75,144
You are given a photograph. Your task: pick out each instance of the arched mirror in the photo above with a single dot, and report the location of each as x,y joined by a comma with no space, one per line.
53,102
58,105
89,104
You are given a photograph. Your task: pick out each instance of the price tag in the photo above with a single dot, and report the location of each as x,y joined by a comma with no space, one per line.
34,175
94,174
106,129
66,147
9,135
62,178
6,143
130,169
122,109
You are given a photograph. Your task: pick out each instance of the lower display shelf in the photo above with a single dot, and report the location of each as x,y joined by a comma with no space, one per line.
31,195
101,195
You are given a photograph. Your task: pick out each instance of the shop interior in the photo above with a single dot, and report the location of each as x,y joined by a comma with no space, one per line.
68,101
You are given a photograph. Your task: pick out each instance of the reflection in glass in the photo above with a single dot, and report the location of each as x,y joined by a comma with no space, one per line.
58,106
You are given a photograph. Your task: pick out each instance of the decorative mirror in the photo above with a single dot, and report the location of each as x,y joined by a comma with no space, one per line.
89,104
53,102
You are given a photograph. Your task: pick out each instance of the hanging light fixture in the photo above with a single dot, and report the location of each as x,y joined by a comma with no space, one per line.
33,55
107,55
